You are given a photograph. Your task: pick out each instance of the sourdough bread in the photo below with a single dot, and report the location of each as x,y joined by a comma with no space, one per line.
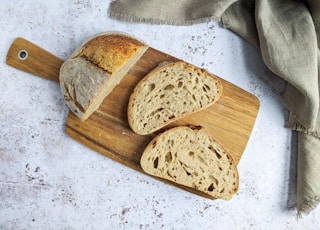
168,93
189,156
95,68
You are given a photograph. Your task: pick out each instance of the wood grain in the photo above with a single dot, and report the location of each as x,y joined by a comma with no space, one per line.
38,61
230,120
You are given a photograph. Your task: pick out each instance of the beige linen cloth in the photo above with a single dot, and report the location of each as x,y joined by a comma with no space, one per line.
287,34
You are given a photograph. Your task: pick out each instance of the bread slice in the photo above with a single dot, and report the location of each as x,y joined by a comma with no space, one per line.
190,157
95,68
168,93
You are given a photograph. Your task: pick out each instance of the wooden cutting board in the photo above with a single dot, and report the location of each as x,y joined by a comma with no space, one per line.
230,120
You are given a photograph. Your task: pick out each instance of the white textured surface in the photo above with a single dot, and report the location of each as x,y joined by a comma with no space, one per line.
49,181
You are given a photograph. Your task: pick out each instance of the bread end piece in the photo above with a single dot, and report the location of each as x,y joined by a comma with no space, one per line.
188,156
95,68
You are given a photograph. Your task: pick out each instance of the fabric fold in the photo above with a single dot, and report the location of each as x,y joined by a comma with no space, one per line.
177,12
287,33
240,18
308,186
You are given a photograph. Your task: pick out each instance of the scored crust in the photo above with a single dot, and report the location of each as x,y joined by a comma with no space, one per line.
95,68
110,51
188,156
169,93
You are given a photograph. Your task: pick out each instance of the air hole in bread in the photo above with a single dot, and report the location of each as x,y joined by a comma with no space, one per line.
169,87
191,153
169,174
202,160
169,157
207,87
166,73
180,84
155,162
194,97
211,188
154,144
214,179
217,154
162,96
172,117
151,86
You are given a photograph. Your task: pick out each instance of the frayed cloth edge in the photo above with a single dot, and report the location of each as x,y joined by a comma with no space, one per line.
133,18
307,207
295,123
300,128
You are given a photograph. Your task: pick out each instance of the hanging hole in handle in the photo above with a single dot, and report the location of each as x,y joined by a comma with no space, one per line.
23,55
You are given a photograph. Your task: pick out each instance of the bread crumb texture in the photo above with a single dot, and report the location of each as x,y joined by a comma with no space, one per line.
190,157
170,92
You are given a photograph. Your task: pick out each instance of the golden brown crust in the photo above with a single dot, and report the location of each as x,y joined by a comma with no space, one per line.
110,52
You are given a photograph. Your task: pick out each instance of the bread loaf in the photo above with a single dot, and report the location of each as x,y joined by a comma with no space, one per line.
190,157
168,93
95,68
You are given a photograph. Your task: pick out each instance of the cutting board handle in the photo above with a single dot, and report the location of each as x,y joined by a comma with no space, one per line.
26,56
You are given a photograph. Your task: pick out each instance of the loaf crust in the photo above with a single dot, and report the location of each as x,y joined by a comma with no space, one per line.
95,68
171,92
188,156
